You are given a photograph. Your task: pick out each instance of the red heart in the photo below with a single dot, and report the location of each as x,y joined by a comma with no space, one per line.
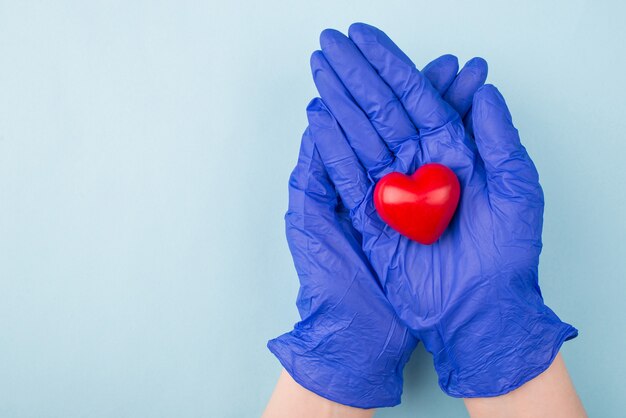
419,206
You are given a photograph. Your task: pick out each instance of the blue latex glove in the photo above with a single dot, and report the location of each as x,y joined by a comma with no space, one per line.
472,297
350,346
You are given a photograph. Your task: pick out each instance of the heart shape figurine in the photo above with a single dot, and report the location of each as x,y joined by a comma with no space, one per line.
419,206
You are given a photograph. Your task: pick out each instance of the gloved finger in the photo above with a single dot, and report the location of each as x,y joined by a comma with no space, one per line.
423,104
367,144
511,173
381,105
342,164
461,92
441,72
309,186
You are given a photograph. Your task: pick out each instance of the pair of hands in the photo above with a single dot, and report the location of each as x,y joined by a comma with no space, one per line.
369,294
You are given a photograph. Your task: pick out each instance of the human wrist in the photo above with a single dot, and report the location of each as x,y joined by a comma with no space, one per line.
290,399
551,393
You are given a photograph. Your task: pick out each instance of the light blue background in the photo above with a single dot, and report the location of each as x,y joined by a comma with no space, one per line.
145,148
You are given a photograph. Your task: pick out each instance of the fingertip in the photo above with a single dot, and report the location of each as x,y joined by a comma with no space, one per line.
441,72
487,90
446,62
314,105
498,95
486,93
360,31
330,36
479,68
368,37
315,58
318,114
460,94
448,59
479,63
316,62
473,75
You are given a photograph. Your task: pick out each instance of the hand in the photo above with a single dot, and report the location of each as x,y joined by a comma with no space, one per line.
349,347
472,297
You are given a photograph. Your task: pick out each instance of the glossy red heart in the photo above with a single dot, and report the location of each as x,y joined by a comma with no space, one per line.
419,206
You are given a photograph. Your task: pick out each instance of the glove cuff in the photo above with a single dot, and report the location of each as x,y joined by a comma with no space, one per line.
326,375
502,361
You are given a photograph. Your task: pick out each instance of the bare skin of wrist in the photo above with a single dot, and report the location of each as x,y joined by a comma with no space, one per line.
551,394
291,400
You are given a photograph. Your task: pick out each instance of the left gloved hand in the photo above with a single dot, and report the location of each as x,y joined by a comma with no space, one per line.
349,346
472,297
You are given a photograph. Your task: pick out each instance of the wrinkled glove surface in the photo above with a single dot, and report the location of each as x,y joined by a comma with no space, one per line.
472,297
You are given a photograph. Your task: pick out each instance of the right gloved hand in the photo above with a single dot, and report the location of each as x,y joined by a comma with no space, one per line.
349,346
472,297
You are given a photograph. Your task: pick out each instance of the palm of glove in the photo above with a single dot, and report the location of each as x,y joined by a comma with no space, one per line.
494,235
